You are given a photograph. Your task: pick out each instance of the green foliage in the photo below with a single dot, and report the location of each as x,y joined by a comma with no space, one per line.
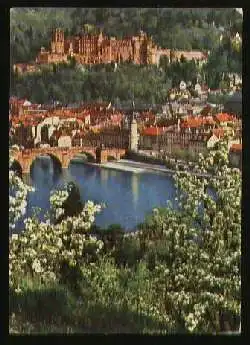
110,300
226,58
128,252
182,70
218,98
72,206
30,28
69,84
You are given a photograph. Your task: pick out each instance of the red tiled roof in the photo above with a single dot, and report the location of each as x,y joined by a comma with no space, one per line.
195,122
153,131
224,117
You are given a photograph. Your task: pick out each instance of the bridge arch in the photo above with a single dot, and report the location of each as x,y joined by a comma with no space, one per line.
86,156
56,161
111,158
89,156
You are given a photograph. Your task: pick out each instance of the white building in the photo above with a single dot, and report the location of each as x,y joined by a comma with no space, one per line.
64,141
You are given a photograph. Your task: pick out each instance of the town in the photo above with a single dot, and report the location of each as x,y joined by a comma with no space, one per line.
177,130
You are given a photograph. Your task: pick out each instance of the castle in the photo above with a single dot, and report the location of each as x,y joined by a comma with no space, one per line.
91,49
98,48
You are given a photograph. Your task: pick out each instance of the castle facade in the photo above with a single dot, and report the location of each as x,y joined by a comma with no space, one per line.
92,49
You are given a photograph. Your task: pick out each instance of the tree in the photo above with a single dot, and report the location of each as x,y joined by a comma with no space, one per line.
18,192
224,59
201,290
183,59
164,62
72,206
49,250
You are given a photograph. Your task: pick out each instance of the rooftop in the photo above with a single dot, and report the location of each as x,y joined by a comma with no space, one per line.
224,117
152,131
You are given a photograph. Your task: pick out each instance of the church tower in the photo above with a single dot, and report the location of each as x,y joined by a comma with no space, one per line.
133,142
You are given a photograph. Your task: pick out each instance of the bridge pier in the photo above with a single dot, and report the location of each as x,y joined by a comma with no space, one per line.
25,162
64,159
26,171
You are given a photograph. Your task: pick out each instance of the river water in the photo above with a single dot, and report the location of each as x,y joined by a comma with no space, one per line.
128,196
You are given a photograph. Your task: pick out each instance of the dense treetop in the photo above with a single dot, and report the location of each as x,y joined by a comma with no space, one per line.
74,83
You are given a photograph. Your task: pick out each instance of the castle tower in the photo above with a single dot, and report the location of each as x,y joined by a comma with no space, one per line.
136,50
71,49
133,142
57,43
100,37
150,51
143,39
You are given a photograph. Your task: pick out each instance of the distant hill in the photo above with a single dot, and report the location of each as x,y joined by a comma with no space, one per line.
30,28
187,29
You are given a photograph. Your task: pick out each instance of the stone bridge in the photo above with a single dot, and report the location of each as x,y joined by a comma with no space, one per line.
63,156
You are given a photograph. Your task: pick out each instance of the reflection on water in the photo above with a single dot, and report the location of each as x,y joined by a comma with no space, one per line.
135,188
128,196
44,172
104,174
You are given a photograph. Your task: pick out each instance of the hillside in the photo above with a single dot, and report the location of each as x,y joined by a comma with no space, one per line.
170,27
173,28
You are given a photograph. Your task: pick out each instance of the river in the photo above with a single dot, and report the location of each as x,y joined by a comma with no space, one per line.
128,196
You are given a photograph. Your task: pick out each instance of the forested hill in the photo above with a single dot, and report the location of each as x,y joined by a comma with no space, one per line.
170,27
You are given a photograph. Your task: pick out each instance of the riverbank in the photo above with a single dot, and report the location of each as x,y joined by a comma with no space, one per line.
140,167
